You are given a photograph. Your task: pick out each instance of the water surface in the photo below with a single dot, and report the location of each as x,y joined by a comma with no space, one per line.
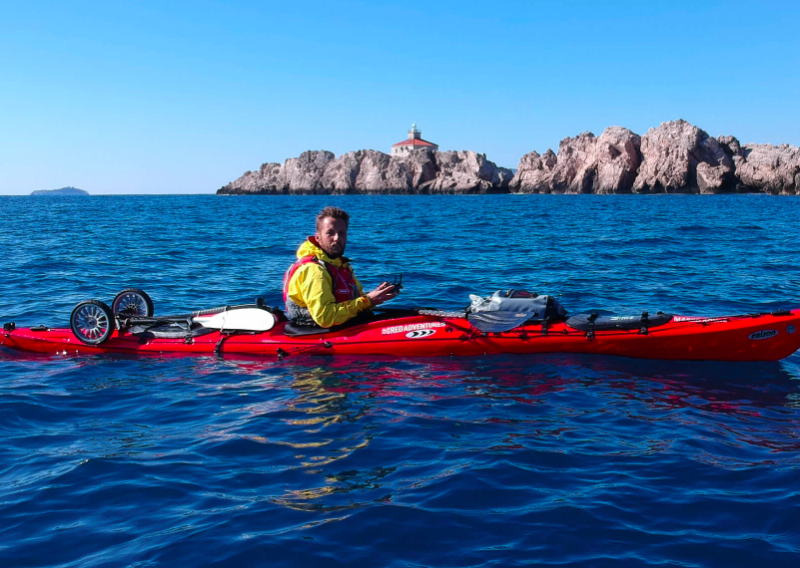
494,461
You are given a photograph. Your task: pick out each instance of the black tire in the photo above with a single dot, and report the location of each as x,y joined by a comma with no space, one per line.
92,322
133,302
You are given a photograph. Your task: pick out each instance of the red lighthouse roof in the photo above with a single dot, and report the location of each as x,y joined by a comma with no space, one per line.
413,142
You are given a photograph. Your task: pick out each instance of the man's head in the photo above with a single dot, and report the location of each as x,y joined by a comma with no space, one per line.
331,232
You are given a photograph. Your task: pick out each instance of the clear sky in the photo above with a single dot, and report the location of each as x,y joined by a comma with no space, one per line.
169,97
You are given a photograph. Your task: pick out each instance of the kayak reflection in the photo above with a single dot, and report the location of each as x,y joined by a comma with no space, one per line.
368,431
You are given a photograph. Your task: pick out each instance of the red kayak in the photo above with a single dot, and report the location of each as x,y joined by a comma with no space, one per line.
753,337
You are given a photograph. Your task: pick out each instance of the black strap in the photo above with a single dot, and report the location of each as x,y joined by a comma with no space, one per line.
593,316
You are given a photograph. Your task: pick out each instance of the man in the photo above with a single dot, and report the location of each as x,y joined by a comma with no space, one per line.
320,287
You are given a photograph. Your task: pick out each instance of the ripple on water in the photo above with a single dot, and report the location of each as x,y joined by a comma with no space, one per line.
551,460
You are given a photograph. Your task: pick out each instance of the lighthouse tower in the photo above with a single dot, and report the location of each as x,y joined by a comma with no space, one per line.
412,143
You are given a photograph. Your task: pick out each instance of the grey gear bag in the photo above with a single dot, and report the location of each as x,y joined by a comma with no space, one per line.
506,309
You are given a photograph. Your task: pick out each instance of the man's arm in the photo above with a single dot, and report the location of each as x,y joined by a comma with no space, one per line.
313,286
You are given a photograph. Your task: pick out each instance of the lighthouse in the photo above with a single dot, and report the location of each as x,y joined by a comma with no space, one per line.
413,142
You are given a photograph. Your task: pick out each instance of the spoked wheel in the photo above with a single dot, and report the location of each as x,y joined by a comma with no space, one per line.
92,322
133,302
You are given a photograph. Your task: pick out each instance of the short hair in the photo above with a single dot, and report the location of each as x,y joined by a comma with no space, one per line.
334,212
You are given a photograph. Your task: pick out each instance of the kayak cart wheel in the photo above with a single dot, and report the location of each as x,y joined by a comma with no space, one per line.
92,322
133,302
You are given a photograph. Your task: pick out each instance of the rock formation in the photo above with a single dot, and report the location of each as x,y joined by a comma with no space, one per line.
534,173
467,172
676,157
370,171
585,164
680,158
618,157
767,168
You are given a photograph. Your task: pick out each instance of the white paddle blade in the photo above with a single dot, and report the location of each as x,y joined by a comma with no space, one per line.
245,319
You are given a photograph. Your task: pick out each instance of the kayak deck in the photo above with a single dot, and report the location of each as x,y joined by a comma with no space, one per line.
758,337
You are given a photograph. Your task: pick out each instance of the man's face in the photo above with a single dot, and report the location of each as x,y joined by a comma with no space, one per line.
332,236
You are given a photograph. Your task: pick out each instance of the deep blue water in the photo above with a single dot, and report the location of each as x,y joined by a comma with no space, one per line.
494,461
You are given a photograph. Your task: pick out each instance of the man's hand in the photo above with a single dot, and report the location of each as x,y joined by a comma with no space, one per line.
383,293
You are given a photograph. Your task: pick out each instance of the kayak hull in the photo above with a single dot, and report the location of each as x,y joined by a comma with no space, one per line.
765,337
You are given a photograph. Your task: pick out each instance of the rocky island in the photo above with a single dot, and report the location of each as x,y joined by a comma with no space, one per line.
62,191
371,171
676,157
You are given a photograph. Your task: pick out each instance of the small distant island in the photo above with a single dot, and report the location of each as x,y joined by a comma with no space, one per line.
676,157
62,191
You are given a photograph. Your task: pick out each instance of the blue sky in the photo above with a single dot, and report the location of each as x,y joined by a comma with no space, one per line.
168,97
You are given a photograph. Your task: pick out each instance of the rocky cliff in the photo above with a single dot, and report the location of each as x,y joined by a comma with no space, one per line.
584,164
676,157
370,171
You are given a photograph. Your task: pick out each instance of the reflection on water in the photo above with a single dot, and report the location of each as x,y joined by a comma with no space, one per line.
348,422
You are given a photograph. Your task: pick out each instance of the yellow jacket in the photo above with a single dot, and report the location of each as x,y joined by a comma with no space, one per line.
311,287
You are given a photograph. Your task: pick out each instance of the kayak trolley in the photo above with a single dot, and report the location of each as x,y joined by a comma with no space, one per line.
93,322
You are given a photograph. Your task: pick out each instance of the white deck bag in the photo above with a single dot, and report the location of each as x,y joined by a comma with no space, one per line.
238,319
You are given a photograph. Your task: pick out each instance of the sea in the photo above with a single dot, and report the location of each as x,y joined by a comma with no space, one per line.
546,460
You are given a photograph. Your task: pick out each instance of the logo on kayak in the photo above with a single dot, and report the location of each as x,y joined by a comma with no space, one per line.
411,327
678,319
420,333
763,334
790,329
